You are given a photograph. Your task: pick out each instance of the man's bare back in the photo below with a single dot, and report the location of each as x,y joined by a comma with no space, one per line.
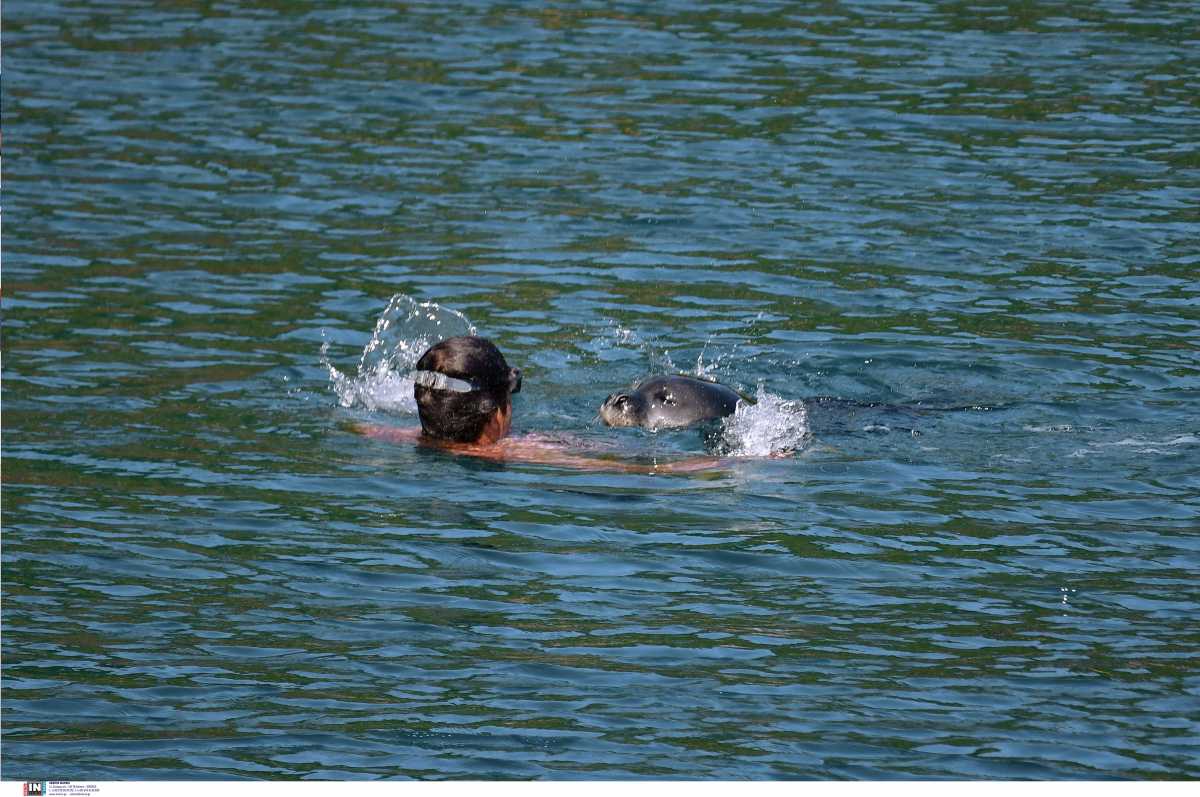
533,448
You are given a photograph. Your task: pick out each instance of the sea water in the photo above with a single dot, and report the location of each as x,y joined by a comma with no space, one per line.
961,239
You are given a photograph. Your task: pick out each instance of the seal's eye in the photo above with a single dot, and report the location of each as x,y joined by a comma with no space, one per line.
621,401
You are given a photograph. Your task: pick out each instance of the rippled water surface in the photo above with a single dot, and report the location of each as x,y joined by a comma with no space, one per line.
979,217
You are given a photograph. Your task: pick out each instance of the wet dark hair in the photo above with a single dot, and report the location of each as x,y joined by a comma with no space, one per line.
461,416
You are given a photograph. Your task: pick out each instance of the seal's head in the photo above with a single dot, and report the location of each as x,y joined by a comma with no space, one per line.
669,402
626,408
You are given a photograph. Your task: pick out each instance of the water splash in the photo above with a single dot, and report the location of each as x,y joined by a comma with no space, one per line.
714,366
616,342
771,427
403,332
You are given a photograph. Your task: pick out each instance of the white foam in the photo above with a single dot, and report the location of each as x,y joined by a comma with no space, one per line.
1181,440
1134,445
773,426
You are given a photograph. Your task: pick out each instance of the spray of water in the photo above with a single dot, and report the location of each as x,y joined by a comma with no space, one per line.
771,427
714,366
403,332
617,342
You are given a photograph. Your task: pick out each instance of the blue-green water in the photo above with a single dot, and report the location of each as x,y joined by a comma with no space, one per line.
987,206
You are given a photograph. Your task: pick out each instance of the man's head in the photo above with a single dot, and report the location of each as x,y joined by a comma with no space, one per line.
462,385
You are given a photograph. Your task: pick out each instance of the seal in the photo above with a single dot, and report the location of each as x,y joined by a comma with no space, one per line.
669,402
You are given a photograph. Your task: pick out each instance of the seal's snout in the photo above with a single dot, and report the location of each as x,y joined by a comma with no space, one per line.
615,411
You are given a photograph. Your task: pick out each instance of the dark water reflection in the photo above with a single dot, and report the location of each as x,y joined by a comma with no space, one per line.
984,205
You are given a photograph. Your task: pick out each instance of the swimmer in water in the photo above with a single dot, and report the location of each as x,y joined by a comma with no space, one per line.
464,388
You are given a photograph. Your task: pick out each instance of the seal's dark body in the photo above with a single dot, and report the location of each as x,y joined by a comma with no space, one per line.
669,402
